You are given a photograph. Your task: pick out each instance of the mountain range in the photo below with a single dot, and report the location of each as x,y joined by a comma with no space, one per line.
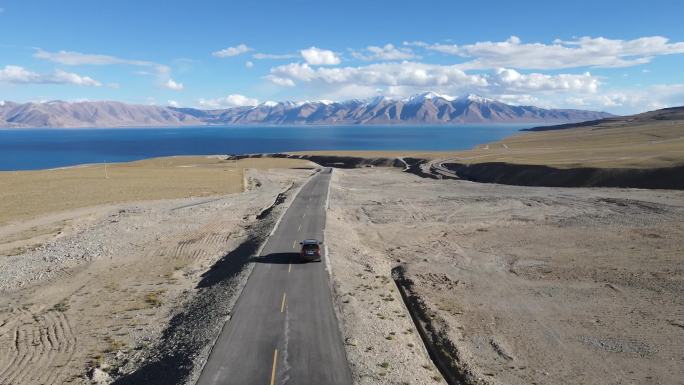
425,108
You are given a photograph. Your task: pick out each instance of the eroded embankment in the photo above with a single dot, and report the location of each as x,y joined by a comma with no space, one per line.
510,174
186,342
432,330
410,165
333,161
536,175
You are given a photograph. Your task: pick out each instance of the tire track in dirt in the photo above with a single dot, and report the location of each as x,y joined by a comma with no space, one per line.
37,343
42,346
209,240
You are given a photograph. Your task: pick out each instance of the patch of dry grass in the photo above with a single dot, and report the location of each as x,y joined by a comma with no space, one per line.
153,299
27,194
650,145
627,144
381,154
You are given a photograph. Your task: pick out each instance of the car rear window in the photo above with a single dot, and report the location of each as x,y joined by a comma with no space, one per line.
310,247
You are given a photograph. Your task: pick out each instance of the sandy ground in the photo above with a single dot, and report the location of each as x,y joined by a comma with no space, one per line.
101,282
533,285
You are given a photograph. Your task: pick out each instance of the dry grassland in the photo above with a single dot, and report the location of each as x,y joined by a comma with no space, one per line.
26,194
648,145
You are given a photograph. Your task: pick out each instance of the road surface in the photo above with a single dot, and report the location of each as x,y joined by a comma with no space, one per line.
437,168
283,329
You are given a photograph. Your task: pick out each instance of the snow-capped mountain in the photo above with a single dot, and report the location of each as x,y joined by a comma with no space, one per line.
425,96
424,108
90,114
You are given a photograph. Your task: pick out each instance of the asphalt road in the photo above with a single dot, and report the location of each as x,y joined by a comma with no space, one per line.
437,168
283,329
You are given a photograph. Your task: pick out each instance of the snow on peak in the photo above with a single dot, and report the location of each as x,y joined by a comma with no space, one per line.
419,98
475,98
377,100
53,102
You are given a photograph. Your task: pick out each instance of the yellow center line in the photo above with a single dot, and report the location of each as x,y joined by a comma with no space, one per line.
273,371
282,304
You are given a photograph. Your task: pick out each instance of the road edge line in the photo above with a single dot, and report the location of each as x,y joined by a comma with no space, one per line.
327,197
331,282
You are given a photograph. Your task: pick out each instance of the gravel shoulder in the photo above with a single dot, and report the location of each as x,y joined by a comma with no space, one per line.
530,284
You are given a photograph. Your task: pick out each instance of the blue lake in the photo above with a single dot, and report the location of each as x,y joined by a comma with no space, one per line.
26,149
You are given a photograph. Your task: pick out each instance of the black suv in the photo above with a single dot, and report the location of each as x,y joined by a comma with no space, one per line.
311,250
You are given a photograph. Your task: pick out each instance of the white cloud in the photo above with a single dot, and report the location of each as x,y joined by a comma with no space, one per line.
632,100
317,56
355,91
16,74
622,101
416,43
172,85
386,52
512,80
263,56
379,74
285,82
20,75
582,52
249,64
72,58
523,100
232,51
233,100
409,77
173,103
63,77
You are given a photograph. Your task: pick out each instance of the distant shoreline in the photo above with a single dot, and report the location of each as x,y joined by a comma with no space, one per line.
303,125
42,148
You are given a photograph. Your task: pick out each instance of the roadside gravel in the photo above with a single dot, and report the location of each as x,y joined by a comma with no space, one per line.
529,284
117,287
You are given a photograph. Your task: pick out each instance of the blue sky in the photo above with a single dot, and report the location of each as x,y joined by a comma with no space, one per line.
615,56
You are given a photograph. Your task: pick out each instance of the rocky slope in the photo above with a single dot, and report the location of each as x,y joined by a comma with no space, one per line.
89,114
426,108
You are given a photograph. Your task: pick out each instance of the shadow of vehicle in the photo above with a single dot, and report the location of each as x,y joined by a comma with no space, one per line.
280,259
